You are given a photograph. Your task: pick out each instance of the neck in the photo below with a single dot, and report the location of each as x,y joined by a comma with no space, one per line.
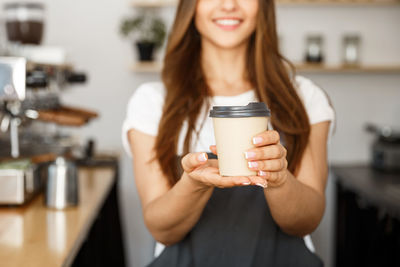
225,68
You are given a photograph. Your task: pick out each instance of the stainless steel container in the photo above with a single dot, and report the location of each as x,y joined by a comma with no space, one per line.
62,184
19,182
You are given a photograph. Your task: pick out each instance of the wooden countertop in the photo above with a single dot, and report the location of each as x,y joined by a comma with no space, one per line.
34,235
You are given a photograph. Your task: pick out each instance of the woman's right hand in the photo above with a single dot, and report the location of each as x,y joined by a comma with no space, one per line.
204,172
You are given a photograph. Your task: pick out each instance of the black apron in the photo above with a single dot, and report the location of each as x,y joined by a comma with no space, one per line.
236,230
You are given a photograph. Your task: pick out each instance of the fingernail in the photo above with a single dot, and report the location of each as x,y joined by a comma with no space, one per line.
257,140
202,157
246,183
262,185
249,154
262,173
253,164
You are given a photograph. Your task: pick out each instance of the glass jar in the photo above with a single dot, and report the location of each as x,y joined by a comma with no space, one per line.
314,49
351,50
24,22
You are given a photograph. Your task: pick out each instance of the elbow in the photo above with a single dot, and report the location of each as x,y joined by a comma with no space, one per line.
166,240
167,237
302,226
300,230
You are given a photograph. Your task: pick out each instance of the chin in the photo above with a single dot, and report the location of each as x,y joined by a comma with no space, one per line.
228,43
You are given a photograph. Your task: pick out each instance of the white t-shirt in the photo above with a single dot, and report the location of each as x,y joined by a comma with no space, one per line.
145,110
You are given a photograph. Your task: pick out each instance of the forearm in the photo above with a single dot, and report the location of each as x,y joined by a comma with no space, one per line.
171,216
295,207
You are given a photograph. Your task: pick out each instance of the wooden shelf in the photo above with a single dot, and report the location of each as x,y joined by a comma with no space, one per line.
337,2
154,3
155,67
171,3
317,68
147,67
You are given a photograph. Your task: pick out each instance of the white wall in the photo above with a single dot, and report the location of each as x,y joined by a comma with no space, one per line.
89,31
357,98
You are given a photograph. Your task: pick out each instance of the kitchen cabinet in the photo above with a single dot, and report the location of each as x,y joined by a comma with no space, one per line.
367,217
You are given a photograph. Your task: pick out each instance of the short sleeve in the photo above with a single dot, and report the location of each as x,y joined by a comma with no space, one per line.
144,111
316,101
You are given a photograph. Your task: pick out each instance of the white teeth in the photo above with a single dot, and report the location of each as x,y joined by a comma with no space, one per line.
228,22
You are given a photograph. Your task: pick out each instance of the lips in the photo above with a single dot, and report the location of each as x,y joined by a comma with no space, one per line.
228,23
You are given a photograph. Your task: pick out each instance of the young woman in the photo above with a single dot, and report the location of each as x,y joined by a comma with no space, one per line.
225,52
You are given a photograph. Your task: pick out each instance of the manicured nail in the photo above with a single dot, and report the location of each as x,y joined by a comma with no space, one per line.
253,164
246,183
262,173
257,140
202,157
262,185
249,154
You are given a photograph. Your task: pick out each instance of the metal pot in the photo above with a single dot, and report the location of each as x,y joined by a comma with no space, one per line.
385,149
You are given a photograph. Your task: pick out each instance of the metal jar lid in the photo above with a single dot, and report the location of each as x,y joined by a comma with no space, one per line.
23,5
253,109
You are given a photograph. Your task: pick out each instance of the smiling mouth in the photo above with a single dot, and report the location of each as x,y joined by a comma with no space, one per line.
228,24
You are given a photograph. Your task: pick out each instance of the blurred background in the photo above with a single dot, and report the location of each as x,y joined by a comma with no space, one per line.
351,48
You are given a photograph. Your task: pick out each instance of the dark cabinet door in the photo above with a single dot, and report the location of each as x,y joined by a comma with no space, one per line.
104,246
365,235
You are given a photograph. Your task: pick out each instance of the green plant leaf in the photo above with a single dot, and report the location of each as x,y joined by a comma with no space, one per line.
146,28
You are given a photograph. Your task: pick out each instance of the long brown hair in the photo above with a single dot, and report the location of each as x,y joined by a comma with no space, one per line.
187,90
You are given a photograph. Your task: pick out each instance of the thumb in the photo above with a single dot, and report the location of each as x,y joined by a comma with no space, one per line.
213,149
193,160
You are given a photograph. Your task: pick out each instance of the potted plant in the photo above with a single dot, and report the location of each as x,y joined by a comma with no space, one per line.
149,32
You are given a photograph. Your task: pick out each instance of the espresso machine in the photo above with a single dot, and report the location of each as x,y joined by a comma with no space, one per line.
31,114
12,93
33,119
30,106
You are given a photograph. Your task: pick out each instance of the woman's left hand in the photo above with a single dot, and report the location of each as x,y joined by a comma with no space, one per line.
268,158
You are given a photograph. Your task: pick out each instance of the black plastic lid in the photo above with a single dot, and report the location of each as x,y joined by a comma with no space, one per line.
253,109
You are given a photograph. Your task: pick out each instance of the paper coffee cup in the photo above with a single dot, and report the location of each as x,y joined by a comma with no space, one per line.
234,129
